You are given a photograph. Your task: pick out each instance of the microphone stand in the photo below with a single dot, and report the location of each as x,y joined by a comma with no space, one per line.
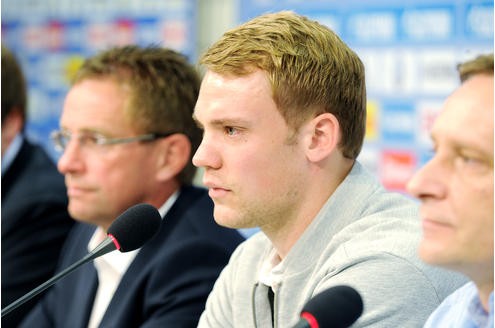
103,248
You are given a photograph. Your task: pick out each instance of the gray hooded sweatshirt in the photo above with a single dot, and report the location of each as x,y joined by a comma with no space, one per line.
364,237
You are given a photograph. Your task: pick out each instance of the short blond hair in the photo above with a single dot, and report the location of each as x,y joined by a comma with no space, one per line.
311,70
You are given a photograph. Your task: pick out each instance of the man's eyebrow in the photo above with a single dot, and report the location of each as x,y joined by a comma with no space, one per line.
459,145
86,130
222,122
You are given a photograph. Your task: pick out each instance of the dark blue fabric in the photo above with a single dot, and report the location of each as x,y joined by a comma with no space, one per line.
165,286
34,225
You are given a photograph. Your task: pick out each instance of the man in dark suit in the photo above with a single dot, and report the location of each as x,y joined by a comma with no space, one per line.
128,136
35,221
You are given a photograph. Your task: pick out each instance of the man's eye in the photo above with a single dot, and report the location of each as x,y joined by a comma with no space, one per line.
469,159
230,130
91,140
472,162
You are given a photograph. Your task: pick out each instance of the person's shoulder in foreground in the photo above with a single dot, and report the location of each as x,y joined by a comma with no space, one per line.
456,191
283,109
127,137
165,285
35,220
368,241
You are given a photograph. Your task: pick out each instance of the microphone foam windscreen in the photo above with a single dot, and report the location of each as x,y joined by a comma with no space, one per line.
337,306
135,226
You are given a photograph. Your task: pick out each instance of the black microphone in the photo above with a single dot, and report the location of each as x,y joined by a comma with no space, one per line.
128,232
336,307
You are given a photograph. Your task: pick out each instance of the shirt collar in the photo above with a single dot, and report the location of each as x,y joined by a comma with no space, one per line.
11,152
119,261
477,313
271,271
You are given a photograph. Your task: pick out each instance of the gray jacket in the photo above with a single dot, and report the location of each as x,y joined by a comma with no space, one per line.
364,237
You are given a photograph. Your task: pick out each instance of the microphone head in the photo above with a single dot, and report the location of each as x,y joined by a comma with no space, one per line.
336,307
135,226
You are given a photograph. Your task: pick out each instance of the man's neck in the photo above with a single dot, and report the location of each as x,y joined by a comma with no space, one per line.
318,190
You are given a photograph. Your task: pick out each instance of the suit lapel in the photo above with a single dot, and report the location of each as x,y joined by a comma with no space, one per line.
86,293
79,288
146,254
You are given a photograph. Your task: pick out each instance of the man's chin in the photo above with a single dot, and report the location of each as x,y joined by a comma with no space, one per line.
434,253
82,214
227,221
224,223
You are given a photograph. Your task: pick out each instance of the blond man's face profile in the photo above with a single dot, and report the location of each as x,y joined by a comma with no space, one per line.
252,173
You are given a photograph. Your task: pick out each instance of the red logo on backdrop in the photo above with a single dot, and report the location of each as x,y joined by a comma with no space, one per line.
174,34
428,112
33,37
396,168
123,32
99,35
55,35
428,117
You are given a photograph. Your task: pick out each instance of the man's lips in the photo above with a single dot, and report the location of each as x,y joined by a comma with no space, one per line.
74,191
432,225
215,190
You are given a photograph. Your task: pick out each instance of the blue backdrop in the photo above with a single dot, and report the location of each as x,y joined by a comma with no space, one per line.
410,49
52,37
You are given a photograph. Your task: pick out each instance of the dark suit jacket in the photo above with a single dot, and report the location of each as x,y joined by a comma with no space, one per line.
165,286
35,224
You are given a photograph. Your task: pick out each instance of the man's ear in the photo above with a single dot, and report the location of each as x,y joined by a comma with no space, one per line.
174,156
325,137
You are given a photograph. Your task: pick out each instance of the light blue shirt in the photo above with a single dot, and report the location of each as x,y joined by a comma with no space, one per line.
11,152
462,309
